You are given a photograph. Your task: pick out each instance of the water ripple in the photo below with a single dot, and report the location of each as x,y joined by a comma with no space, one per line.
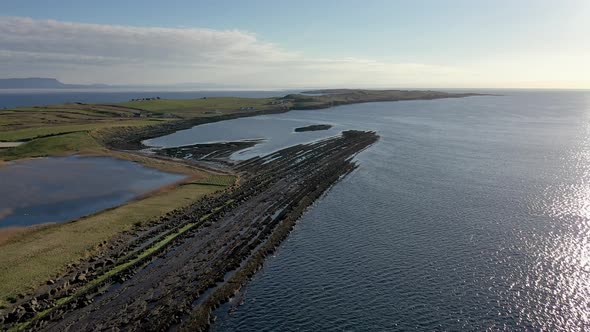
469,214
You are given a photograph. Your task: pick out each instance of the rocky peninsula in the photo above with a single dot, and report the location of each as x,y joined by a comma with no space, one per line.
173,272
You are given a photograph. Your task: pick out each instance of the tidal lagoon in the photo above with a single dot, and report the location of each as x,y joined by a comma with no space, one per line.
59,189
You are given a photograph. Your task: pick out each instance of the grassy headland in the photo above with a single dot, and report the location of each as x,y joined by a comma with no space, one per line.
77,127
32,256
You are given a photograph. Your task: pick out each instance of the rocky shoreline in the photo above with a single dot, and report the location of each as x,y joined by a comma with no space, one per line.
173,272
214,152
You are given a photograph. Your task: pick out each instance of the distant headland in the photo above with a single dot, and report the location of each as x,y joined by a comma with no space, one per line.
42,83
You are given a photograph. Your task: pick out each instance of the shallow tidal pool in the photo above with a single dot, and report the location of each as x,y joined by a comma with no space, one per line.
60,189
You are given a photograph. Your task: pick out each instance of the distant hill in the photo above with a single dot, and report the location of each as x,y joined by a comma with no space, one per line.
41,83
30,83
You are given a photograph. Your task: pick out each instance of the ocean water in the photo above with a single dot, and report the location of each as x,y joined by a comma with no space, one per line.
65,188
468,214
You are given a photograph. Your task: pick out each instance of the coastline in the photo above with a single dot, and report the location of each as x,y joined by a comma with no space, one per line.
123,142
232,231
124,139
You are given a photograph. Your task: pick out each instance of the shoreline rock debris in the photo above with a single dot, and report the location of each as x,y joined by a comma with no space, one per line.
172,273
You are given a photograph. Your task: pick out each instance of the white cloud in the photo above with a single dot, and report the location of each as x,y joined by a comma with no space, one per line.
95,53
131,44
87,53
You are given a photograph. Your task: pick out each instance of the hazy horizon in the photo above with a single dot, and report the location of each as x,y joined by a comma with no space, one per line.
281,45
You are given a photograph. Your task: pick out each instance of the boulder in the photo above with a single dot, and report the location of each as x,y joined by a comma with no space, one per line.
81,277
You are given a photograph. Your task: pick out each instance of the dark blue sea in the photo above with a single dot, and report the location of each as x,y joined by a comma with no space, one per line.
469,214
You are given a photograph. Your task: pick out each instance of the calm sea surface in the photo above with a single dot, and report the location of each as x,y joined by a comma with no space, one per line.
468,214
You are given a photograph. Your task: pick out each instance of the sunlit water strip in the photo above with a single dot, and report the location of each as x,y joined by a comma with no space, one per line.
469,214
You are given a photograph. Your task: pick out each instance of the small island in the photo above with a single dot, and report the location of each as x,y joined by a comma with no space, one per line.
313,128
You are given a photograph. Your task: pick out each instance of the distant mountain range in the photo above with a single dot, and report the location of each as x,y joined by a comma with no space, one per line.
42,83
52,83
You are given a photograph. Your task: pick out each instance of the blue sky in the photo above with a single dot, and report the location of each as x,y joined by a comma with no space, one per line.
534,43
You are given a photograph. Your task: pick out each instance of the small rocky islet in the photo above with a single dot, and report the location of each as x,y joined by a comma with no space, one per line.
316,127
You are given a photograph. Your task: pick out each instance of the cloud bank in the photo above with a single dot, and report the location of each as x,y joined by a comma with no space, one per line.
115,54
96,53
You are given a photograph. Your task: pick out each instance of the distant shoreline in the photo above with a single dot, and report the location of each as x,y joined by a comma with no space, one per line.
132,140
272,193
52,130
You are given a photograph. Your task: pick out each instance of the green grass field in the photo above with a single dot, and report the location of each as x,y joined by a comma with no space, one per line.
33,256
52,146
71,128
49,130
64,114
50,139
190,108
